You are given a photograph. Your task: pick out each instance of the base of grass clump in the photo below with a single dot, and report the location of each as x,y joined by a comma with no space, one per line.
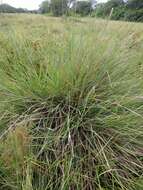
73,148
71,116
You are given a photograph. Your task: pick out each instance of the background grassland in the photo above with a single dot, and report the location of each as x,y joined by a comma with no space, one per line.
71,104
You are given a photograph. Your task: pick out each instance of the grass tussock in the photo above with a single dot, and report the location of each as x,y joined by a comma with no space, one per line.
71,114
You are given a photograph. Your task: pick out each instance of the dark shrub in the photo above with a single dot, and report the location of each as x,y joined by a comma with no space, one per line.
136,15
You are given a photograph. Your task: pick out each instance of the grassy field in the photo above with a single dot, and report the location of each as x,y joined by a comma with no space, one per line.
71,104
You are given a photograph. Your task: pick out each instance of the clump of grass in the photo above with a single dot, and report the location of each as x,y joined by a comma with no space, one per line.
76,99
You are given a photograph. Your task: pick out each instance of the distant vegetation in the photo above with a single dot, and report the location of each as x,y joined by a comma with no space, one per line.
65,7
130,10
5,8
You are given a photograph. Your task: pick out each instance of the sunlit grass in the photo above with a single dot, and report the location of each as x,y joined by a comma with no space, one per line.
70,104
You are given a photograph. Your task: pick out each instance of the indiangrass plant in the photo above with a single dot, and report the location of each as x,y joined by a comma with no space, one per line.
71,106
